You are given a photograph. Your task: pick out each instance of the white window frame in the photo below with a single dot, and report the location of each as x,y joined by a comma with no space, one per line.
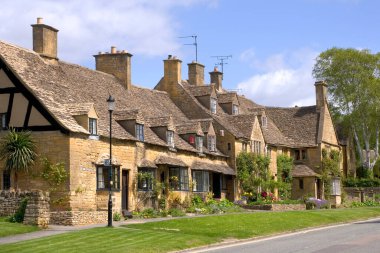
139,132
211,139
170,138
235,109
213,103
199,143
93,126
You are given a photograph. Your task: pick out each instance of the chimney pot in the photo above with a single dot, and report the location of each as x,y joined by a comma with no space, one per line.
216,69
169,56
40,21
113,50
124,51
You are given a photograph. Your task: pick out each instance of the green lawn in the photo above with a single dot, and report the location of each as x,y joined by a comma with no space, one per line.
189,232
7,228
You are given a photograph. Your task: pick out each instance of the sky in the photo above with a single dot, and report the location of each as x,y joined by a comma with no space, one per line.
273,43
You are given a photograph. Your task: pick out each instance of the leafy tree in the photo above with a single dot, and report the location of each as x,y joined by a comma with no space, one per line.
354,87
284,177
18,151
330,168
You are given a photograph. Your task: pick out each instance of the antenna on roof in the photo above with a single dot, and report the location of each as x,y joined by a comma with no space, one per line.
192,44
221,60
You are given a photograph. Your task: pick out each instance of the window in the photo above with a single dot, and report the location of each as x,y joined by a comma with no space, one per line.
213,105
103,177
179,179
201,181
244,146
268,151
140,132
92,126
3,118
335,185
228,146
170,138
211,143
264,121
235,109
300,183
6,180
224,182
256,147
199,143
145,179
300,154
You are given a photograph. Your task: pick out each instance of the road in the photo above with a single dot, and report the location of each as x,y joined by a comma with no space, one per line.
360,237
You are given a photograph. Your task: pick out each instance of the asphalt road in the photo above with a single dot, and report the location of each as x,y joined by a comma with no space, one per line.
360,237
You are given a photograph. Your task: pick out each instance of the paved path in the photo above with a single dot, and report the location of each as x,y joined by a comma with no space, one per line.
358,237
55,229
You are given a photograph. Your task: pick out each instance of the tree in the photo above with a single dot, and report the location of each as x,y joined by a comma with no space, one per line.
354,87
18,151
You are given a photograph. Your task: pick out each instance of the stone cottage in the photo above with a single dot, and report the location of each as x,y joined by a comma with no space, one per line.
64,105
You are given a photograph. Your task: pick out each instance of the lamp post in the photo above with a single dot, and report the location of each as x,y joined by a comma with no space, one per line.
111,108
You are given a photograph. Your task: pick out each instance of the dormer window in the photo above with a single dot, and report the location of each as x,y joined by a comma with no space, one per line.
300,154
213,105
199,143
170,138
93,126
264,121
3,118
235,109
212,143
140,132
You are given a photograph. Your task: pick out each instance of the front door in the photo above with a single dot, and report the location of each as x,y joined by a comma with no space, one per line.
124,190
216,185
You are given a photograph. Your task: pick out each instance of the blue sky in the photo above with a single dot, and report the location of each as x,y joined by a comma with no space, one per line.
273,43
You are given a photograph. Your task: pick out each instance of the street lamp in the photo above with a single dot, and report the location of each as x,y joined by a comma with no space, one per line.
111,108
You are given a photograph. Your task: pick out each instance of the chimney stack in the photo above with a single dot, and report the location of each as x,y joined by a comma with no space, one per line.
45,40
116,63
172,70
320,94
196,73
216,77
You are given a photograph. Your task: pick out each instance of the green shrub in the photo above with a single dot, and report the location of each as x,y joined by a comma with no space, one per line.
368,203
149,213
361,182
175,212
20,213
117,216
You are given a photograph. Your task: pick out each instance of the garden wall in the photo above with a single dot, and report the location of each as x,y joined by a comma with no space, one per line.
70,218
361,193
37,210
277,207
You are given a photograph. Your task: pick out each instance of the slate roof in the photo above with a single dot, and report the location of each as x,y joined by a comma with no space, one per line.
199,91
301,170
298,124
228,97
220,168
59,86
190,128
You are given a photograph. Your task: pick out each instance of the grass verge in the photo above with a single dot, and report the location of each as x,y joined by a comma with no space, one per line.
189,232
7,228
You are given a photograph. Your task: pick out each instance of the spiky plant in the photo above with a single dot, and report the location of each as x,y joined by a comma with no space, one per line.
18,151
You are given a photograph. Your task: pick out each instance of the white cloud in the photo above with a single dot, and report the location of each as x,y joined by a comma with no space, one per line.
283,79
142,27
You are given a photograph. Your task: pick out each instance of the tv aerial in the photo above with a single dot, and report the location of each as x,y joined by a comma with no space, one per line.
195,44
222,60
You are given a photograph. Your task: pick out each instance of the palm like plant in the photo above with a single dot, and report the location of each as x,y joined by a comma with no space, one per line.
18,151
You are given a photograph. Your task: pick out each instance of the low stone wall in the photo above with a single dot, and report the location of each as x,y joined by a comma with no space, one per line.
37,209
277,207
361,194
70,218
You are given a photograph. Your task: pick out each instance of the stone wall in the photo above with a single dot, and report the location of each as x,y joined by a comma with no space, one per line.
278,207
69,218
37,209
361,194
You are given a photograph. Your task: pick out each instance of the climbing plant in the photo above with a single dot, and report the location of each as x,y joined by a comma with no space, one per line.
253,173
330,168
284,176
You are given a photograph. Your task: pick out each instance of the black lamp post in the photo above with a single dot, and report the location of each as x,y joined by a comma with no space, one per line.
111,108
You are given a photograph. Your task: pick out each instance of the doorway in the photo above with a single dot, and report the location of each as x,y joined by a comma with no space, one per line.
217,185
124,190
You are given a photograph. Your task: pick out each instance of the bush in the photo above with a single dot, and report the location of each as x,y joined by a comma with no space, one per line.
367,203
149,213
20,213
117,216
313,203
361,182
175,212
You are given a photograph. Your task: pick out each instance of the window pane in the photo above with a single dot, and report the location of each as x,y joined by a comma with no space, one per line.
103,177
140,132
3,118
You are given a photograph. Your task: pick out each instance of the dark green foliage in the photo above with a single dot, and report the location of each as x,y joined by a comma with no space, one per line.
117,216
284,177
175,212
253,172
20,213
361,182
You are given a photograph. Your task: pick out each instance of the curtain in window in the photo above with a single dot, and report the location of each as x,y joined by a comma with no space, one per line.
100,178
